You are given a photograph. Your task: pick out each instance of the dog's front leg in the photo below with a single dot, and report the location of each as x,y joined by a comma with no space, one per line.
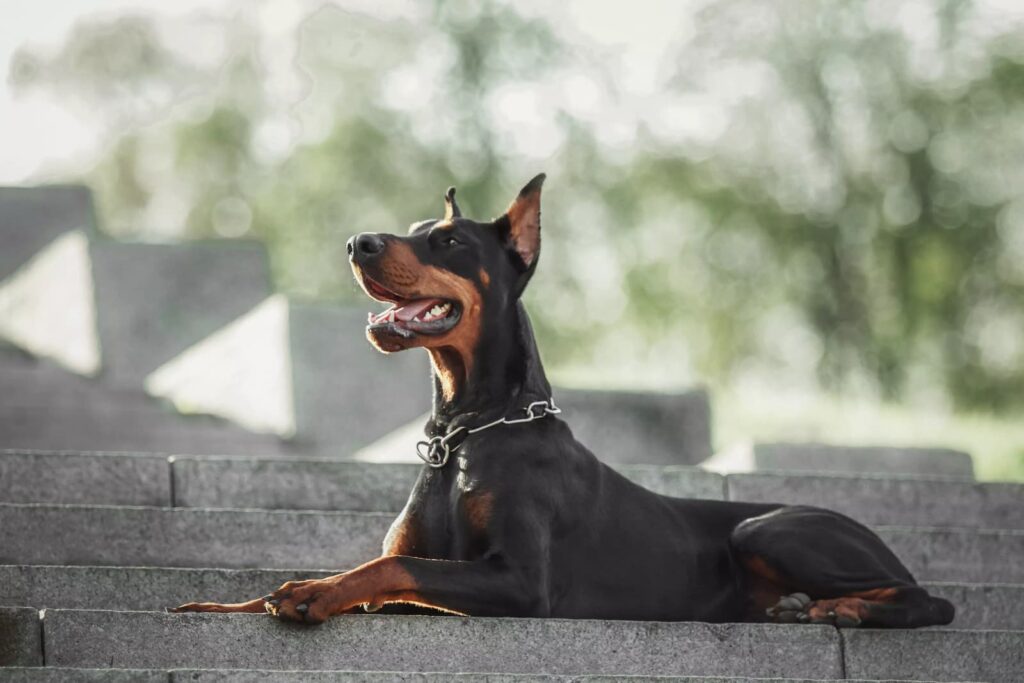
256,606
481,588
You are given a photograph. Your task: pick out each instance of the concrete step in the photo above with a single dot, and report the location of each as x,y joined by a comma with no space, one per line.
346,485
276,539
440,644
640,427
156,300
163,537
934,654
329,484
84,478
98,426
958,555
136,588
50,674
828,458
979,606
891,500
69,675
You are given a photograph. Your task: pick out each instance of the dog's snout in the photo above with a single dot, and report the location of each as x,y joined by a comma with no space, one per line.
365,244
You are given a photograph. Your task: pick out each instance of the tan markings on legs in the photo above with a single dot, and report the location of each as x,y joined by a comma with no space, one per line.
855,609
478,508
403,536
252,606
380,582
877,594
766,584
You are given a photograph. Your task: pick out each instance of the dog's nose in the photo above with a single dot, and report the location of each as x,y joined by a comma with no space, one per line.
365,244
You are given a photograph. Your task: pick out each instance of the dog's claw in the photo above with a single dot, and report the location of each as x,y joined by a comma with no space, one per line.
268,598
302,608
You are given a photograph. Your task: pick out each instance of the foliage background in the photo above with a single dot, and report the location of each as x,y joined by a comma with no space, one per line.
813,207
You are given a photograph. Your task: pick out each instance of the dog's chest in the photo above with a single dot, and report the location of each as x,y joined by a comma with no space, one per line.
448,515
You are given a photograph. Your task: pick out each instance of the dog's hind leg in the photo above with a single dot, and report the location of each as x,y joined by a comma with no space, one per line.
813,565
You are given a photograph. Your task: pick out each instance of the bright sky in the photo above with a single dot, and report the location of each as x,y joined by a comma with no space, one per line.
36,132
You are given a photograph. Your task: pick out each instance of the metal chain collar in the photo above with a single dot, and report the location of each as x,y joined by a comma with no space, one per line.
437,450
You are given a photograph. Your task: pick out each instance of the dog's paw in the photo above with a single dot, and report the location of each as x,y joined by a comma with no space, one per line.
790,609
798,608
307,602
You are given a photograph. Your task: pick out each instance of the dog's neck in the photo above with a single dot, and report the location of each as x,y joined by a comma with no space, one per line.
504,376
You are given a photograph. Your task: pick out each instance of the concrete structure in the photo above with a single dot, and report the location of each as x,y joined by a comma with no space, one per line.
828,458
938,655
393,643
877,499
979,606
33,217
140,536
97,479
640,428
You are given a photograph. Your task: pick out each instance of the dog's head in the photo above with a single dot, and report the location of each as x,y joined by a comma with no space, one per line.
447,276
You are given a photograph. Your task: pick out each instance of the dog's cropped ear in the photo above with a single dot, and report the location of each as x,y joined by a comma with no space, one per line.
520,225
451,209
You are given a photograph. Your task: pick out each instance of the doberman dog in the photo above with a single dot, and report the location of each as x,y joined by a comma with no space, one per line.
511,516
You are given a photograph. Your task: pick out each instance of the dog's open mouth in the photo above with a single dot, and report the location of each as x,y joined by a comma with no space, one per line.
408,317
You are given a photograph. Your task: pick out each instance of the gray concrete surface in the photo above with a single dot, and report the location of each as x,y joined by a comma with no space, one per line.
250,676
959,555
983,605
97,426
141,536
32,217
390,643
136,588
677,481
99,535
292,483
156,300
94,478
979,606
20,637
640,428
347,394
68,675
891,500
813,457
53,409
322,484
935,655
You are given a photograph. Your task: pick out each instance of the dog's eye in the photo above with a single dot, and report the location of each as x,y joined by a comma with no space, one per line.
449,241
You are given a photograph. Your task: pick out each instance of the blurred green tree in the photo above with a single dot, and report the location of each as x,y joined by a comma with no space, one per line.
820,193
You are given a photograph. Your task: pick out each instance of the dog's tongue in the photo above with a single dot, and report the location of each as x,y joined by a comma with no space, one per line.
415,308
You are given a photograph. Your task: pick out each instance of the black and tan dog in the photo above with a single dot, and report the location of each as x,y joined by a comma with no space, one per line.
511,516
